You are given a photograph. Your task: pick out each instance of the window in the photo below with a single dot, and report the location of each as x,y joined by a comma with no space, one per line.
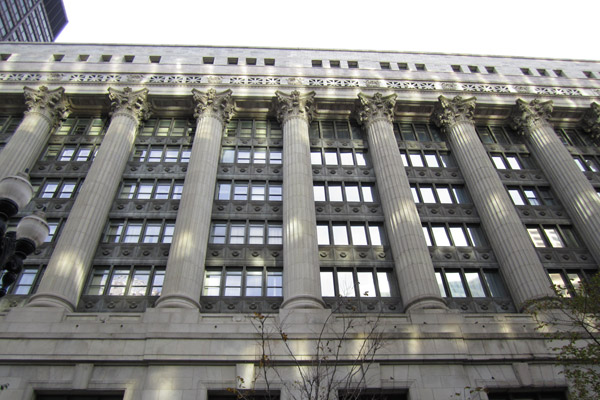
208,60
357,282
556,236
28,280
82,127
490,70
154,59
151,189
526,71
232,61
5,56
417,132
157,154
250,61
430,159
269,61
343,157
532,394
569,281
255,191
167,127
128,58
559,73
344,192
53,230
336,130
8,125
139,231
512,161
243,281
456,68
589,74
247,155
466,282
317,63
334,63
58,189
79,153
243,232
435,193
532,196
587,163
574,137
497,134
403,66
105,58
420,67
58,57
542,72
125,280
385,65
474,69
83,57
349,234
253,128
352,64
459,235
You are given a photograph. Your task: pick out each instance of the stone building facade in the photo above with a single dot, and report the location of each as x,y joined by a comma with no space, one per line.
193,192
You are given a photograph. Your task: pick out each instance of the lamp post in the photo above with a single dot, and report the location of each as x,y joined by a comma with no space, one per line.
15,193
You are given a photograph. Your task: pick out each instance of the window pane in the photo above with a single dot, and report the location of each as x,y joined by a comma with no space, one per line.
440,282
427,236
237,233
256,234
240,191
212,283
474,283
455,284
366,284
415,194
360,159
228,156
260,156
340,235
515,195
132,233
461,195
323,235
335,192
531,197
274,283
359,235
375,234
346,284
476,236
494,283
258,192
233,283
536,237
327,288
319,192
444,195
330,158
383,279
440,236
559,283
416,160
224,191
315,158
346,159
253,283
427,194
367,192
513,162
352,194
498,162
458,236
554,238
432,161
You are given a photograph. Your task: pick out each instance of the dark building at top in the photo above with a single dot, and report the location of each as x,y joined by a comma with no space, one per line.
31,20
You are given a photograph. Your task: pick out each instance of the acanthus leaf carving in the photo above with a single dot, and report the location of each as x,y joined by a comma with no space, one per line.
126,101
52,104
448,112
210,103
525,116
376,107
295,105
591,121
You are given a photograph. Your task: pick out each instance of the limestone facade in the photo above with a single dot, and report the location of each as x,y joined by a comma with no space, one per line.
194,192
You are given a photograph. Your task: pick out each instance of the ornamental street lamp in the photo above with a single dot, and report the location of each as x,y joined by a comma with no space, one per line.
15,193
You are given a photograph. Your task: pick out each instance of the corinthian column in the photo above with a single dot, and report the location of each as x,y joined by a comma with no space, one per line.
576,193
301,274
185,266
414,269
45,109
519,262
69,265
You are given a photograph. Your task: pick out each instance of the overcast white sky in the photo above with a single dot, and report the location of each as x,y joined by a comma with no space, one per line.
551,28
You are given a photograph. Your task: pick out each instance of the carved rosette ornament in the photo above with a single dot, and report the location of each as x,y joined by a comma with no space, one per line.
371,109
52,104
295,105
449,112
526,116
211,103
130,103
591,121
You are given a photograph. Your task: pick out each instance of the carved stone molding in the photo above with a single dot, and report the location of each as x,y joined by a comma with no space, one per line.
374,108
451,111
295,105
211,103
133,104
52,104
591,121
525,116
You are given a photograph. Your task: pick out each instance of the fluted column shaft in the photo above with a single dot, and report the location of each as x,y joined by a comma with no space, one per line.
185,266
46,109
301,272
71,260
414,269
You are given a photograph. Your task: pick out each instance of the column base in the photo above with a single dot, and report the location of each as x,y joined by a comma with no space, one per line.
50,300
426,303
303,301
174,301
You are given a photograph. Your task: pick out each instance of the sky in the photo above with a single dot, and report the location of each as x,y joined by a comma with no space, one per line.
566,29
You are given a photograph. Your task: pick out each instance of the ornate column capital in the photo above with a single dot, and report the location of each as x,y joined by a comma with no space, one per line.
52,104
377,107
525,116
128,102
591,121
295,105
211,103
448,112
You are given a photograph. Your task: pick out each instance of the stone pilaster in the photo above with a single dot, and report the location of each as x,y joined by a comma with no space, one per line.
414,269
71,260
519,262
185,266
301,274
46,108
572,187
591,121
